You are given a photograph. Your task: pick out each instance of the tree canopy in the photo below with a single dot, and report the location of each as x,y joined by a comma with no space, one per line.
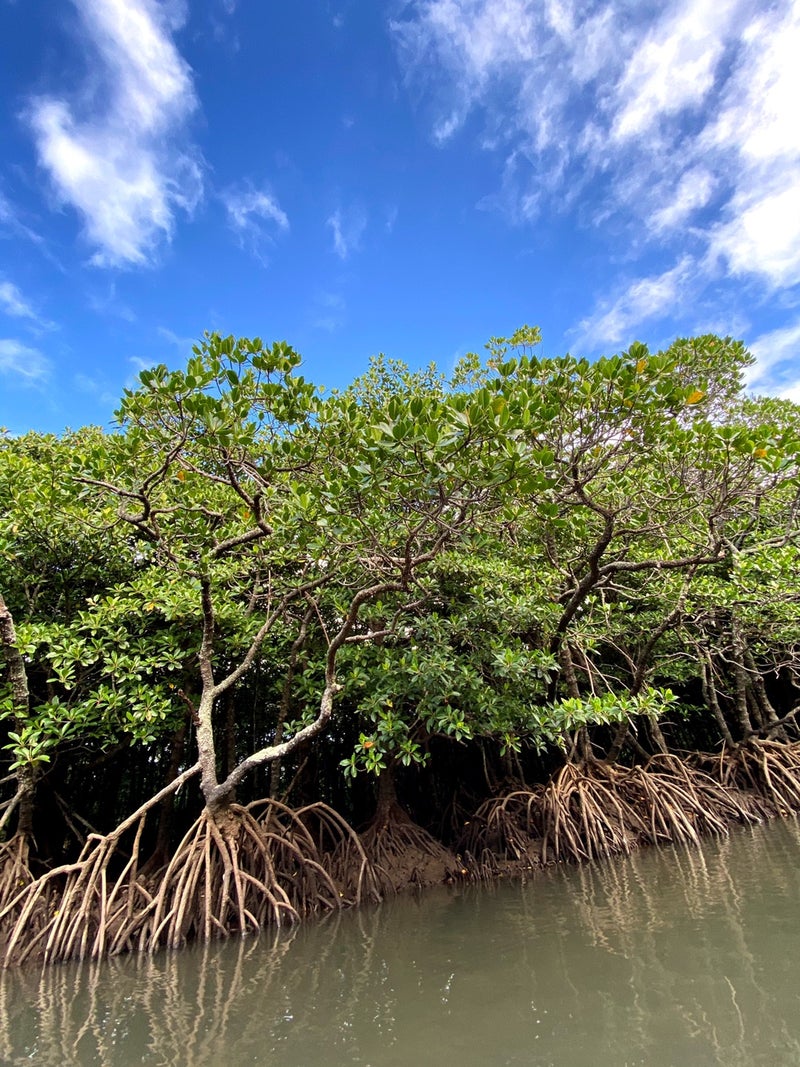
448,582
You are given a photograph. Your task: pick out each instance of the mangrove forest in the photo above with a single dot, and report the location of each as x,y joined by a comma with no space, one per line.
267,651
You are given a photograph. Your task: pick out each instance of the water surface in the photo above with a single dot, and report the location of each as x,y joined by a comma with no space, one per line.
669,957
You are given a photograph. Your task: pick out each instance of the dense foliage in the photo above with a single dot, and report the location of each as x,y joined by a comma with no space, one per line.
448,583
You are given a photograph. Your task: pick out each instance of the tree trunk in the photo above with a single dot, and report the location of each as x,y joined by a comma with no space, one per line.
656,735
230,732
710,697
740,682
759,690
568,672
620,737
15,664
387,795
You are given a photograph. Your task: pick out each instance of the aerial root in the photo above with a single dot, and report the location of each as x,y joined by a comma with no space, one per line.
342,853
235,871
595,810
585,815
400,853
504,830
768,770
684,803
242,868
15,872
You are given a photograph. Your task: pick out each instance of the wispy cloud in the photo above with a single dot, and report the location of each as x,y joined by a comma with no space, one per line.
330,312
674,67
643,300
756,134
347,227
12,219
97,388
679,120
23,363
104,300
777,365
694,189
140,364
248,210
183,344
115,148
13,303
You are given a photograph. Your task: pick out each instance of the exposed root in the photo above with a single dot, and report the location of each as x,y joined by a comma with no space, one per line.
242,868
400,854
221,880
585,815
234,872
15,873
69,911
681,804
504,831
769,769
595,810
335,839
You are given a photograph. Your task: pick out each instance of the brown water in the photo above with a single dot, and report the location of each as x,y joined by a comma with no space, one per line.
667,958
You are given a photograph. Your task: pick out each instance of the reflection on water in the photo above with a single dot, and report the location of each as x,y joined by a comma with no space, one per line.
668,957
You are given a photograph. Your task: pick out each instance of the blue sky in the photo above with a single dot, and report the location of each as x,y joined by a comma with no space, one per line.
357,176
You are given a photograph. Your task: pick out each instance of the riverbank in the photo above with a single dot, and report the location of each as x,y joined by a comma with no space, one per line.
666,956
269,865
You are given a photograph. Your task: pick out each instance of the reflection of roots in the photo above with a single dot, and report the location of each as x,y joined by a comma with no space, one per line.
400,853
234,872
592,811
770,769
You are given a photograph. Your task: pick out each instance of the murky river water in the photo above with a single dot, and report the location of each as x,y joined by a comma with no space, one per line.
667,958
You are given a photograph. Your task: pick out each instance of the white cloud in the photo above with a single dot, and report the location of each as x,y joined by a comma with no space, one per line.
674,67
117,155
758,106
642,300
678,121
777,365
763,234
13,303
140,364
248,209
757,133
347,227
7,215
25,363
10,217
98,389
459,49
692,192
104,300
